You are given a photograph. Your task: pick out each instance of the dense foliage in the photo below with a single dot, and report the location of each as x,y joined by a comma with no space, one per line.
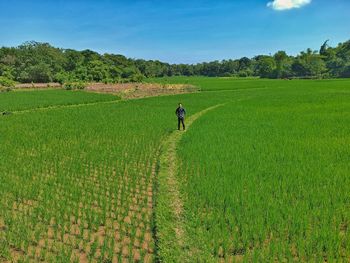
40,62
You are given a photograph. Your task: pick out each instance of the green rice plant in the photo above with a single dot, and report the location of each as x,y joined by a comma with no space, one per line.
25,100
274,166
263,177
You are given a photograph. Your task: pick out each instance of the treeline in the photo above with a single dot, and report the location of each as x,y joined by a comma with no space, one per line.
41,62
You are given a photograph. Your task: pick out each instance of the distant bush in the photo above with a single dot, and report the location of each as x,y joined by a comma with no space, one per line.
136,77
7,83
226,75
5,89
79,85
109,81
243,74
62,77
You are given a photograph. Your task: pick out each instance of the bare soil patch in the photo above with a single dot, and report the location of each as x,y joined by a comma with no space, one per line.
38,85
141,90
124,90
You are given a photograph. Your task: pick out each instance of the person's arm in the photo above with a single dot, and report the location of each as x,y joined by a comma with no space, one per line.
176,111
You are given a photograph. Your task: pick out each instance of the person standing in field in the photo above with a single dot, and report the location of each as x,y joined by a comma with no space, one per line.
180,113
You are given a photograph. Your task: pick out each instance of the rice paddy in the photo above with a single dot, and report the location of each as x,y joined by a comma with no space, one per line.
261,176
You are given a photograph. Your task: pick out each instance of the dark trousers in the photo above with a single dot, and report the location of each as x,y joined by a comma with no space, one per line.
179,121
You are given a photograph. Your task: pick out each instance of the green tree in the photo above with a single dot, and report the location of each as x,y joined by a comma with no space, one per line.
283,65
309,64
265,66
40,73
323,49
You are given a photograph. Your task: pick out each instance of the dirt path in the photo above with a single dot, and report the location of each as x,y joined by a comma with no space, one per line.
171,235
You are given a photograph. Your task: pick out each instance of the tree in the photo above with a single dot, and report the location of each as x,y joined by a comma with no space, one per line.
97,70
323,49
41,62
309,64
243,64
40,73
265,66
283,65
73,59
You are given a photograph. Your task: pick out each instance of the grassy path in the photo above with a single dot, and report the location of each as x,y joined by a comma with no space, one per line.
170,230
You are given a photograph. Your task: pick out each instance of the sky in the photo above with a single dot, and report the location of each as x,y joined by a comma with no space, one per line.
177,31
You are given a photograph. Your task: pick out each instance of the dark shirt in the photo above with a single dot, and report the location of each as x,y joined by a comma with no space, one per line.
180,112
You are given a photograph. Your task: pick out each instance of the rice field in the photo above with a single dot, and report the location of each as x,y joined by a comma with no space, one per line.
25,100
261,177
267,179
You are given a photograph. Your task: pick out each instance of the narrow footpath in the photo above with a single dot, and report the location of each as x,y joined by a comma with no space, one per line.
170,231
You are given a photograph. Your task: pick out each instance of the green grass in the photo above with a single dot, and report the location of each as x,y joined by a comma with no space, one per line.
263,177
24,100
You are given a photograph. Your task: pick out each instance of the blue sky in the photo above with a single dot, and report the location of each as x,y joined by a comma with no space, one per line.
176,31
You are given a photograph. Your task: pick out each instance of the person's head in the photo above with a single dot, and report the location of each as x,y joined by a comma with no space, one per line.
180,105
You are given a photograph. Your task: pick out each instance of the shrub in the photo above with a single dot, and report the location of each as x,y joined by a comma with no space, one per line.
74,85
61,77
245,73
67,86
136,77
108,81
226,74
5,89
5,82
79,85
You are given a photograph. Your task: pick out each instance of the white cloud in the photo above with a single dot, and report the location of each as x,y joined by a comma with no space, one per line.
287,4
